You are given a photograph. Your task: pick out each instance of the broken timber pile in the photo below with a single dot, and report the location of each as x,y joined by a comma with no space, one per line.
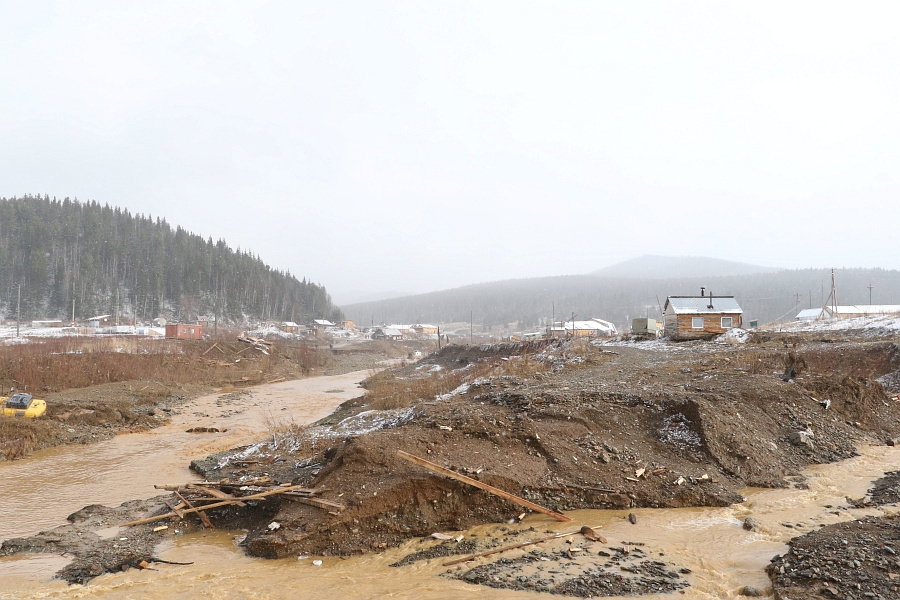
260,344
201,496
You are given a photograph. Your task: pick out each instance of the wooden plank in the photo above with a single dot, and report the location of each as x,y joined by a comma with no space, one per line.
214,505
217,493
203,518
469,557
317,502
210,348
177,509
488,488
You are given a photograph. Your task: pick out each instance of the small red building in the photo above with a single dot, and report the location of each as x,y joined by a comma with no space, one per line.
181,331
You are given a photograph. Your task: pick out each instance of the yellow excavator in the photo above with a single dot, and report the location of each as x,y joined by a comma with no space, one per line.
22,405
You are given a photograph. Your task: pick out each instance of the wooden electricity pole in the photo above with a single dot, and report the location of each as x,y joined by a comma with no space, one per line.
18,306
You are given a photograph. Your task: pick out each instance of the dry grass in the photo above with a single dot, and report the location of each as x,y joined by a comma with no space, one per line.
17,436
66,363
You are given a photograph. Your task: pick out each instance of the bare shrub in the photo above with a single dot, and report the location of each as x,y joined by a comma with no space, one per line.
75,362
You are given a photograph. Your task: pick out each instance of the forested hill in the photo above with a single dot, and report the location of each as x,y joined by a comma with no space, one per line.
107,258
531,303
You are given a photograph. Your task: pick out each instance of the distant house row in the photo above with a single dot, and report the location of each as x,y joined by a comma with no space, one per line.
848,311
399,332
582,329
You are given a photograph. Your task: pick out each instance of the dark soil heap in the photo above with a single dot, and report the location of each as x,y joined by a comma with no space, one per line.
571,426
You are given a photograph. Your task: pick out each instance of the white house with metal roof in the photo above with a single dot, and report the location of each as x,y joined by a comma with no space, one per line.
848,311
698,317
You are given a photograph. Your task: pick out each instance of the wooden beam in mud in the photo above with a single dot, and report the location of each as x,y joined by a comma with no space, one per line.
203,518
469,557
317,502
214,505
488,488
177,509
217,493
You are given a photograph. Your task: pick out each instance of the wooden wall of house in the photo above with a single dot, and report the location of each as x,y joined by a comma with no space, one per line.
680,326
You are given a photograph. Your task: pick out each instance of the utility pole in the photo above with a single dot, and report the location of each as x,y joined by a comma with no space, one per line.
470,328
573,324
73,301
117,306
439,337
18,306
870,286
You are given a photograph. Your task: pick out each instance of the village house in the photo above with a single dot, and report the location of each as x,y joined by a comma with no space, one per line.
182,331
592,328
289,327
348,324
580,329
387,333
424,329
318,327
699,317
100,321
861,310
53,323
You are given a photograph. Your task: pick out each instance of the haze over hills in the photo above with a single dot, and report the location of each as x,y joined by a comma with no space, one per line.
650,266
104,260
765,294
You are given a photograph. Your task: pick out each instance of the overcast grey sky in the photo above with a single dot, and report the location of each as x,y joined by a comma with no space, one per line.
416,146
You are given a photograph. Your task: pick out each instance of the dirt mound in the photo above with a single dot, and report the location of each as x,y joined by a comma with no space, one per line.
611,428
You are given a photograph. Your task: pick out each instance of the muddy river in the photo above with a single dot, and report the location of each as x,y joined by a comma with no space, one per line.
722,556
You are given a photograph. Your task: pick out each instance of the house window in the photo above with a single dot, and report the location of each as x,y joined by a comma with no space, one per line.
726,323
697,322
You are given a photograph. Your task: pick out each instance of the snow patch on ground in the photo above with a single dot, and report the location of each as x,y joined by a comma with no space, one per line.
873,326
460,390
735,336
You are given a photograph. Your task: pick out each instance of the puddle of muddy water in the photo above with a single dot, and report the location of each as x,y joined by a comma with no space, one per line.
722,557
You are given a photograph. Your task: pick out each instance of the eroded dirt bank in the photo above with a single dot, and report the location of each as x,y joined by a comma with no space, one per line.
575,427
568,426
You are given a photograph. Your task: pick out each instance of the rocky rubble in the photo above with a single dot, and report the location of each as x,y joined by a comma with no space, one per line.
855,560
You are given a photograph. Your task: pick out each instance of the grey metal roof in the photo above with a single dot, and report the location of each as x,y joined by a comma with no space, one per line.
688,305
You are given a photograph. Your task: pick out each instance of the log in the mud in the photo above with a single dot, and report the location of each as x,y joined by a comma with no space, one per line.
214,505
488,488
317,502
217,493
203,518
469,557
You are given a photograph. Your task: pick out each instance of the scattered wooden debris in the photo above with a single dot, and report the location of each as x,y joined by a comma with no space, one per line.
258,343
488,488
200,496
205,430
594,536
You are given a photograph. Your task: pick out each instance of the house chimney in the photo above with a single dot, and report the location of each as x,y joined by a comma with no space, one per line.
710,305
702,292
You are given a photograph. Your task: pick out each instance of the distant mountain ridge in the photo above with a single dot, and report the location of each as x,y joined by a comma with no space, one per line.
651,266
528,304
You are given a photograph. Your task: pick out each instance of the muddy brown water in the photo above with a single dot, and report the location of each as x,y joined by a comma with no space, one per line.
722,556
